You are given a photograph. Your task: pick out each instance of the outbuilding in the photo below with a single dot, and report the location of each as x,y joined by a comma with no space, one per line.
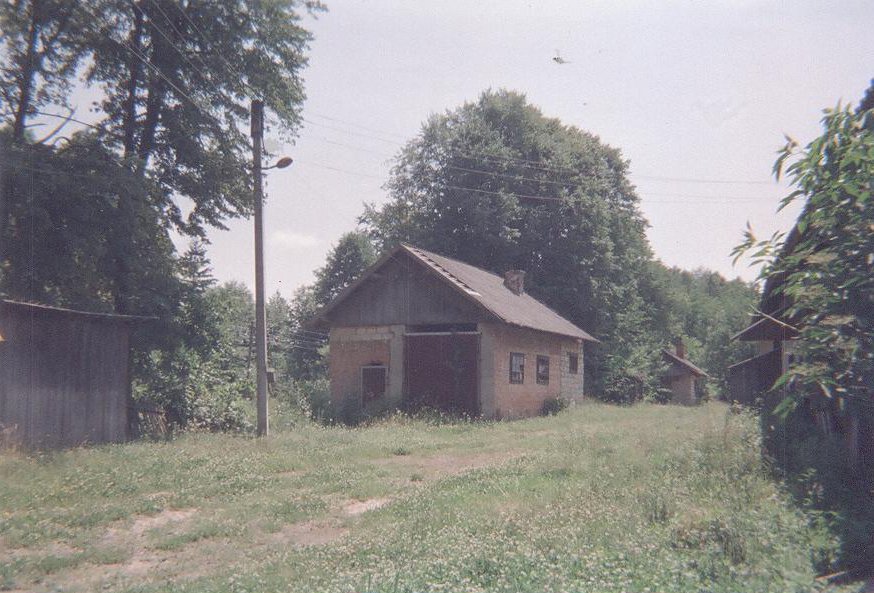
681,376
64,376
421,329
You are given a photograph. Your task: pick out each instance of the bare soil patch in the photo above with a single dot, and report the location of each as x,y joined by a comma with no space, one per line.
438,466
309,533
356,507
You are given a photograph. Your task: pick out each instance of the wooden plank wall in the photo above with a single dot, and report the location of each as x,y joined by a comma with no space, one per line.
64,377
403,293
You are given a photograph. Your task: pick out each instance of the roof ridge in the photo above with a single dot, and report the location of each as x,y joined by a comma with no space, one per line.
426,255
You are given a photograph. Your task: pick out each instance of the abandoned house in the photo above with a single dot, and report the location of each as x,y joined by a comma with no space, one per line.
418,328
682,377
774,337
64,376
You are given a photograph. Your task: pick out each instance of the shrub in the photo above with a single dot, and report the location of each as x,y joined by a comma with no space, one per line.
553,406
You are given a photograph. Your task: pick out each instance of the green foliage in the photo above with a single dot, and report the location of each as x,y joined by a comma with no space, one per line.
599,498
825,268
553,406
497,184
706,310
347,260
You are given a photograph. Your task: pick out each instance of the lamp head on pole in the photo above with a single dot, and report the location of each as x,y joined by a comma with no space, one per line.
280,164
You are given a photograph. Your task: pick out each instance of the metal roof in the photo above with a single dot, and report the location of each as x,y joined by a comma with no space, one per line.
483,288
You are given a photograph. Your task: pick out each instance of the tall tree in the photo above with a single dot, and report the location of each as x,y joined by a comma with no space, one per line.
178,78
353,253
43,43
497,184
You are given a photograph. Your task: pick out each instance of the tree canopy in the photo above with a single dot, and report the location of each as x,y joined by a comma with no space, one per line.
497,184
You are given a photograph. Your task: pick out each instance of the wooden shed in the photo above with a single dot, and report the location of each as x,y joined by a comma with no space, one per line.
419,328
64,376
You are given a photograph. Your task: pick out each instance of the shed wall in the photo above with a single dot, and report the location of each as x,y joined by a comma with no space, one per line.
512,400
64,377
404,293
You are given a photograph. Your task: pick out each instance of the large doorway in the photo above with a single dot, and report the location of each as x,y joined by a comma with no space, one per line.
442,371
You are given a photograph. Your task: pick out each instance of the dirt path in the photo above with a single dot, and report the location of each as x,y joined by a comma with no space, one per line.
143,562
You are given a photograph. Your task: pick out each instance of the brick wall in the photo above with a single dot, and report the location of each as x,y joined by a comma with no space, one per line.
513,400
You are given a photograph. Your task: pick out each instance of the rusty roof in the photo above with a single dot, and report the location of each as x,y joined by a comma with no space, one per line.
483,288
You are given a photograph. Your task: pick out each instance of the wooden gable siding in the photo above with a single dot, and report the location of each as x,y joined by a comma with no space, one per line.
64,378
404,293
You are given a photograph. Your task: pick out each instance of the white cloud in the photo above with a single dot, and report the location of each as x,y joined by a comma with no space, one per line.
285,239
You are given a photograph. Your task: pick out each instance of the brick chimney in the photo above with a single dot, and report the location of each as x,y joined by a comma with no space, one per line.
515,281
681,348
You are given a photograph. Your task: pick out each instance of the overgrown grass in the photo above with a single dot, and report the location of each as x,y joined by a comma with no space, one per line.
596,498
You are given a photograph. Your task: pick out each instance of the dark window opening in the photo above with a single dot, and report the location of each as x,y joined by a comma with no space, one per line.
517,367
442,327
543,370
373,382
573,363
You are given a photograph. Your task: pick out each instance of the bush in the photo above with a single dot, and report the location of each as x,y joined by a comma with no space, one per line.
194,393
312,398
553,406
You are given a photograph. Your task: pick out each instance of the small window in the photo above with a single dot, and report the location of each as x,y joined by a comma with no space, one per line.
373,381
517,367
543,370
573,363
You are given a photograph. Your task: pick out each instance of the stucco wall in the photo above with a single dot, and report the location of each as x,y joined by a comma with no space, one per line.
354,347
683,387
512,400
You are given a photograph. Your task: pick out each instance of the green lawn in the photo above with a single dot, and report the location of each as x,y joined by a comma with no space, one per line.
599,498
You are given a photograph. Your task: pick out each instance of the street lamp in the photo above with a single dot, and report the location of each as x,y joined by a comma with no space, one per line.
257,130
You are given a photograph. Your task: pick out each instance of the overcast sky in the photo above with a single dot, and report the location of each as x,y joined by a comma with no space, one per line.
696,95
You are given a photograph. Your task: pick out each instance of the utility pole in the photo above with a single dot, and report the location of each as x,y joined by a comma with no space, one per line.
257,131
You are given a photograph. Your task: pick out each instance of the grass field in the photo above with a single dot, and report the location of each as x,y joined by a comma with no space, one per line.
598,498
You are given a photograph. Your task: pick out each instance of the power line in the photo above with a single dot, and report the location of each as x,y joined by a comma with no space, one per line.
532,164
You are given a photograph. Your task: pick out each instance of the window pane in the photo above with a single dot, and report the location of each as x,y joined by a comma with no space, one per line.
517,367
573,363
543,370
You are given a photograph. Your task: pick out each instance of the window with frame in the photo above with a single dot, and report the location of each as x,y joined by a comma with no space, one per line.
573,363
517,367
373,382
543,370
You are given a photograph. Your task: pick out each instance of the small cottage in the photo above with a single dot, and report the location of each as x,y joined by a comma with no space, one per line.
421,329
64,376
681,376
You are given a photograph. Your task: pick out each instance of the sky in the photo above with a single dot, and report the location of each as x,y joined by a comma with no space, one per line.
697,96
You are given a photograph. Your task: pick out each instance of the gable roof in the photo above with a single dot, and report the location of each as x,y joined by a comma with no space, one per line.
483,288
682,362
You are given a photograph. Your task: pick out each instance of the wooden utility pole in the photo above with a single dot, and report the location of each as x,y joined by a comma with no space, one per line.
257,130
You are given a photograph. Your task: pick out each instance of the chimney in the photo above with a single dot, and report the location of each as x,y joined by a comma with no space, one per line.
515,281
681,348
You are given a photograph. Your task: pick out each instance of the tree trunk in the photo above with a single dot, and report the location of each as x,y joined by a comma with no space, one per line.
135,66
25,82
154,105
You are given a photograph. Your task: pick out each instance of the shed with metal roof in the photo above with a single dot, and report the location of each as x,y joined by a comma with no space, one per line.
421,329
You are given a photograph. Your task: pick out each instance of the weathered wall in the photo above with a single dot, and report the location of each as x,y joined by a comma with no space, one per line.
683,386
404,293
511,400
64,377
353,347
